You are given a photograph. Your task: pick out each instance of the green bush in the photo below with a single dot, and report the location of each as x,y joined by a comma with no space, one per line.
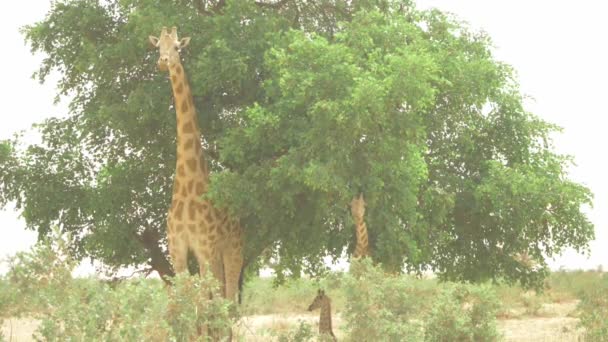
594,311
303,333
463,313
91,310
262,296
379,307
532,303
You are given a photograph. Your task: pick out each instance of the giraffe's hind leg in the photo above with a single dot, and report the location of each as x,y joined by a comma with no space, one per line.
232,257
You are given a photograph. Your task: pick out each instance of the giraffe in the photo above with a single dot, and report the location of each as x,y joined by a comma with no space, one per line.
357,209
193,223
323,302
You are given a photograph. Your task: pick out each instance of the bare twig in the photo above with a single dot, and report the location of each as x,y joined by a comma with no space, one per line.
275,5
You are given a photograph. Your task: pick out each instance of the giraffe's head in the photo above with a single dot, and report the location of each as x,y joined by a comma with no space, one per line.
357,206
169,47
319,300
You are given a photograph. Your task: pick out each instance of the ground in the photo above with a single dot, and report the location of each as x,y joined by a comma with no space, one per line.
554,322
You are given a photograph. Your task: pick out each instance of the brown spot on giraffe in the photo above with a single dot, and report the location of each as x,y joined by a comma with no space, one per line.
191,164
180,172
209,216
188,127
179,89
200,189
184,191
191,186
192,228
185,105
192,210
177,213
189,144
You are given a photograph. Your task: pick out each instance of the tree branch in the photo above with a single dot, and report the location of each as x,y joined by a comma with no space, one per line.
274,5
202,8
151,241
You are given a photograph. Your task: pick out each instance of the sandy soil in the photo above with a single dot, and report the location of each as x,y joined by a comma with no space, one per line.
555,325
19,330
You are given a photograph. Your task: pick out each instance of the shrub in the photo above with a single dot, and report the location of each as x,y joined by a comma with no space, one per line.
303,333
594,311
532,303
91,310
463,313
379,307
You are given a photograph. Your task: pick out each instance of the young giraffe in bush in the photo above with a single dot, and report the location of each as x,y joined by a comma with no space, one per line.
324,303
357,209
193,223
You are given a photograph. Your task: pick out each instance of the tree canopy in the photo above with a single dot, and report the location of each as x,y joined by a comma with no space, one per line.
302,104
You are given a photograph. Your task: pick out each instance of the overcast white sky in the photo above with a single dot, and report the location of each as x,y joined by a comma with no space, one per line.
558,48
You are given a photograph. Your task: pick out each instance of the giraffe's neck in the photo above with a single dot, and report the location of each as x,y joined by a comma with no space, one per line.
362,248
325,319
191,163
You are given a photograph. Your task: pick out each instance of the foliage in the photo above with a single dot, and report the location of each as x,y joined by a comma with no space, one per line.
89,309
389,308
262,296
594,311
571,284
302,333
463,313
37,278
302,106
379,307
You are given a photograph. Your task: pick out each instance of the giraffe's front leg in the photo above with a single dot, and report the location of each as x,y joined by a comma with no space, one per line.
178,247
232,257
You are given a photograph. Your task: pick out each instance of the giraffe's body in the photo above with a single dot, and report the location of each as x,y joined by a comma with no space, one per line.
323,302
194,224
357,209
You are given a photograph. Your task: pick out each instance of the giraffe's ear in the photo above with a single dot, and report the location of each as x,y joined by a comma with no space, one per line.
153,40
184,42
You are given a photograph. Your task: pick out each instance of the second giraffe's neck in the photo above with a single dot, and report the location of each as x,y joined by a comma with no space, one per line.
190,158
325,320
362,248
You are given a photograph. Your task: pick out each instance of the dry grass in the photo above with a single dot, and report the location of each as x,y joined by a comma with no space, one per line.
557,326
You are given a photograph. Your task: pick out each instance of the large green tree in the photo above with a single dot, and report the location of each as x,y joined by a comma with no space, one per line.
302,105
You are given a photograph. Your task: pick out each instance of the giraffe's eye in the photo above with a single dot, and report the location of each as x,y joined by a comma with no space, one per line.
177,48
